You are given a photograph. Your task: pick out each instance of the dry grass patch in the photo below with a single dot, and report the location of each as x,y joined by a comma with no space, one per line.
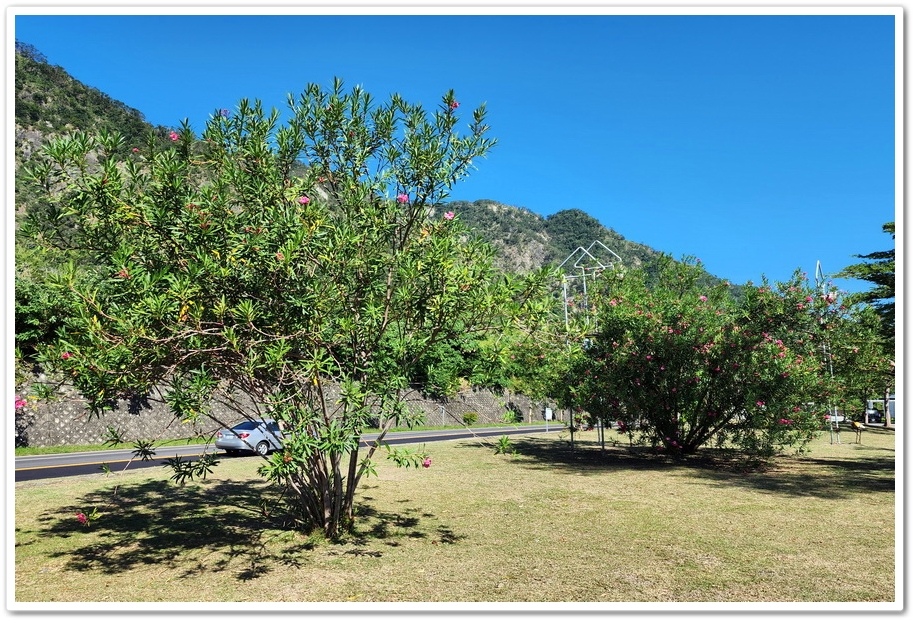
549,524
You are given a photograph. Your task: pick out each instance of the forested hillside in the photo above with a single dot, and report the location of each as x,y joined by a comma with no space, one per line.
50,102
526,241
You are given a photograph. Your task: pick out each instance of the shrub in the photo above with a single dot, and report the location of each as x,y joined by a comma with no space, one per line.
684,362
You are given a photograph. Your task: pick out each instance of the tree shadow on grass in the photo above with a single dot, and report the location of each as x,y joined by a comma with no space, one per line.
391,528
201,528
792,476
196,528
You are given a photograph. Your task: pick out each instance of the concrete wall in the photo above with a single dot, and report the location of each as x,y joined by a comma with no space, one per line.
66,421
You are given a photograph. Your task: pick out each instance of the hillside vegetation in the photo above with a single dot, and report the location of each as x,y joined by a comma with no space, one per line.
49,103
527,241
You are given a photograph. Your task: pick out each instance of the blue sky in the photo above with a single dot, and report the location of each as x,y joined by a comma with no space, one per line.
759,144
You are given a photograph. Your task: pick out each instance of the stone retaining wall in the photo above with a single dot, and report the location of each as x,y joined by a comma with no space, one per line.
65,419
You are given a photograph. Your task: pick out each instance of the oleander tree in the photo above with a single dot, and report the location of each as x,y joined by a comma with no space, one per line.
262,261
681,363
859,360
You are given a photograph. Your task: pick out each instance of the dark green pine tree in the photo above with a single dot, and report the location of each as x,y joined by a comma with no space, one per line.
879,270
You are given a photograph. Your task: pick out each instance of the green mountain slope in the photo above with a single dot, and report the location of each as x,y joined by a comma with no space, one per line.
49,102
525,240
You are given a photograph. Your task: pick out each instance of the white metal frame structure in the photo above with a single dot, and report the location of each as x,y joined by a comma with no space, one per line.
586,263
821,281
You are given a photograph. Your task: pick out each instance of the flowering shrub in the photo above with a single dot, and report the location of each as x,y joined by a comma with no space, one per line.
687,364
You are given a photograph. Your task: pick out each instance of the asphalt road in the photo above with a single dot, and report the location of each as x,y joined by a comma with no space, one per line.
79,463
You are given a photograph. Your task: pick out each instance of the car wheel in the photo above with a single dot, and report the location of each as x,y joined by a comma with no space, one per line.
262,448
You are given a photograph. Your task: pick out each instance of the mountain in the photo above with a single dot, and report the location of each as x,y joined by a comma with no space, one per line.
49,102
525,241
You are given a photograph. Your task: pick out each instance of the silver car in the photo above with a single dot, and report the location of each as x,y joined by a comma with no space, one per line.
258,436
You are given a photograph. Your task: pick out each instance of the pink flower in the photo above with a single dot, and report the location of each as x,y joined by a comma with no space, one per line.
279,256
448,216
455,105
304,200
136,150
761,403
703,298
173,136
403,198
66,355
427,462
81,517
20,403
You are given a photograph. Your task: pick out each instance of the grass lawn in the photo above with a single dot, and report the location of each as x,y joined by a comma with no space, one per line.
550,524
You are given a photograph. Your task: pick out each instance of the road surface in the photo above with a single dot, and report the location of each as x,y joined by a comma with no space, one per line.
40,466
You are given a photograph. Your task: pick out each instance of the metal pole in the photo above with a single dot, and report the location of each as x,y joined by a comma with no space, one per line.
584,293
825,346
566,308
